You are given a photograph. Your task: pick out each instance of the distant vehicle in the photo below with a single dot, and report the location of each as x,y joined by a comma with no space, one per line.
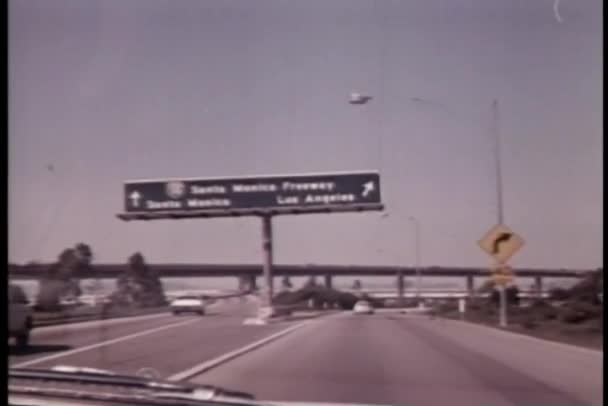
19,316
188,304
357,98
94,300
70,302
363,307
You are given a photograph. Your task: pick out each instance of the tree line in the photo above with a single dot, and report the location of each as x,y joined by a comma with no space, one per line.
138,285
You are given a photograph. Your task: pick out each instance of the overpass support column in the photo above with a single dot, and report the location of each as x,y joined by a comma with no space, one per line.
470,286
538,286
328,281
248,283
400,288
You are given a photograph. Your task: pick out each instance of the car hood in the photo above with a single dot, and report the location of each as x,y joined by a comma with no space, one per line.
273,403
60,402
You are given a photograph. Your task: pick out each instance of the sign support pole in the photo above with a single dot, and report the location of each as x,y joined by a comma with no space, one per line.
503,306
267,250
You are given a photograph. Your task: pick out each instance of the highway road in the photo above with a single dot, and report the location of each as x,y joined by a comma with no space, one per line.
412,360
386,358
168,344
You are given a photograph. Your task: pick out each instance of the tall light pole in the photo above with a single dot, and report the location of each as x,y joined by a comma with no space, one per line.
499,193
499,203
400,277
417,248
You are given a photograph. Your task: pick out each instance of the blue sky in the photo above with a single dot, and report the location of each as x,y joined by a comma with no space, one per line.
105,91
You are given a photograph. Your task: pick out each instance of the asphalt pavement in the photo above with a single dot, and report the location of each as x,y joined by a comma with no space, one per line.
381,359
412,360
166,343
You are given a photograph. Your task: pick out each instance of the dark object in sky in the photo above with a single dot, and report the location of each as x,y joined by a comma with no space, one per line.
50,168
503,237
356,98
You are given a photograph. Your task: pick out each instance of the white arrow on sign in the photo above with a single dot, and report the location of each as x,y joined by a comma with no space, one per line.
135,196
368,188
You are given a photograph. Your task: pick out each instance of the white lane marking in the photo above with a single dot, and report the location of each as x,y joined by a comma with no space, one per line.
207,365
105,343
522,336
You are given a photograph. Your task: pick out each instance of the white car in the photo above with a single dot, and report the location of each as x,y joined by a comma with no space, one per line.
70,302
363,307
19,316
188,304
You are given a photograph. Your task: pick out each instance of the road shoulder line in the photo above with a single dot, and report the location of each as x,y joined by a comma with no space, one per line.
215,362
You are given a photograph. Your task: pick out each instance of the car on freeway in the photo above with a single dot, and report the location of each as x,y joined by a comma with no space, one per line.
363,307
68,302
19,316
188,304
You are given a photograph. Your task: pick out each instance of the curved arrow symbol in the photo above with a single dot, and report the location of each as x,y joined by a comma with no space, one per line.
502,238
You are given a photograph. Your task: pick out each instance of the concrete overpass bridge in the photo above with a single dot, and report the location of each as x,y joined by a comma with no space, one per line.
247,273
110,271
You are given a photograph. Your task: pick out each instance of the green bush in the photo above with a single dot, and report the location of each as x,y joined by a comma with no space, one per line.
475,305
572,316
543,310
588,288
559,294
549,314
590,310
320,296
347,301
529,322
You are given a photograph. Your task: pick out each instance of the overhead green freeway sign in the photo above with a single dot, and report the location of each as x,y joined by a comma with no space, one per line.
251,195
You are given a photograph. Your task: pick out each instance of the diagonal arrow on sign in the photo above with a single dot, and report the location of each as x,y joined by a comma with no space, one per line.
368,188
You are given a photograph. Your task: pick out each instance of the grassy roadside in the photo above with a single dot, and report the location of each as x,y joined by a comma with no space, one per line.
586,335
571,316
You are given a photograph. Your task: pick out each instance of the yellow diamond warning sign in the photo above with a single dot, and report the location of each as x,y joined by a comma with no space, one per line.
501,243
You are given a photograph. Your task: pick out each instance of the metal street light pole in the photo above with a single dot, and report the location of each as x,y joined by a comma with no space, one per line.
417,244
499,192
499,203
400,277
